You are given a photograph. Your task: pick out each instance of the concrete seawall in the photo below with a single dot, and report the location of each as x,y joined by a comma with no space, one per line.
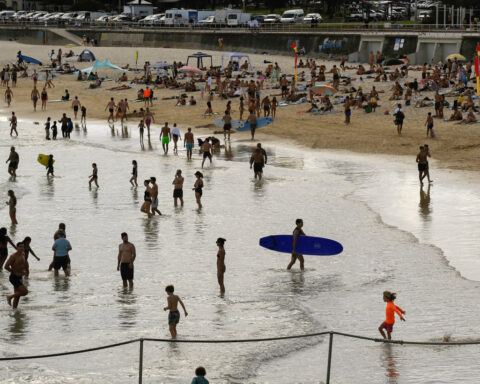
356,45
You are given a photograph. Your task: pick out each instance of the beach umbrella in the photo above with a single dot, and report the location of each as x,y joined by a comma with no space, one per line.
193,70
457,56
323,89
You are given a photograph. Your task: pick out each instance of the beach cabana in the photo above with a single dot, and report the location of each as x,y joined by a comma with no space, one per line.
102,64
234,56
86,55
201,59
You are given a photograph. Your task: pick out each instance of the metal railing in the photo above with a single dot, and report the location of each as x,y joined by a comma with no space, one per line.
393,27
141,341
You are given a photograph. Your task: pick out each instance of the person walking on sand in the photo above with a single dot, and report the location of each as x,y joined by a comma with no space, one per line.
16,265
399,117
165,137
50,166
172,306
44,99
207,151
34,96
111,109
133,179
4,241
188,142
13,124
126,257
387,325
154,196
252,119
227,125
426,148
8,96
178,188
175,137
93,176
83,118
198,188
347,110
61,258
76,105
221,268
147,199
298,231
13,161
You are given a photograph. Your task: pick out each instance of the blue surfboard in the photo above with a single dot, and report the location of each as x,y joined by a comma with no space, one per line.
306,245
261,122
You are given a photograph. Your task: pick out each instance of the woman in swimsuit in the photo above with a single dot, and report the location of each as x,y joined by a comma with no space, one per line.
133,179
44,97
27,251
148,118
12,204
198,186
147,200
4,240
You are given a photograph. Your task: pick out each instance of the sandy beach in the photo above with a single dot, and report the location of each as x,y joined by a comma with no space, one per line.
456,146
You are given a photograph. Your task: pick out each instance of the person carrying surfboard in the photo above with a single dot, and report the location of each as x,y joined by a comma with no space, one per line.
298,231
387,325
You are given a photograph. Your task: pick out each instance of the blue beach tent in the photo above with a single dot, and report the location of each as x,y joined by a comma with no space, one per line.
86,55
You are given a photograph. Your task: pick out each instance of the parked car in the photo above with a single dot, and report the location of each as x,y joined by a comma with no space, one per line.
272,18
293,16
17,14
5,15
260,19
313,18
122,19
210,20
151,19
355,16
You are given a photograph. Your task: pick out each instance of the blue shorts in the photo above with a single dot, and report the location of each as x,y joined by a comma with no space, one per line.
189,146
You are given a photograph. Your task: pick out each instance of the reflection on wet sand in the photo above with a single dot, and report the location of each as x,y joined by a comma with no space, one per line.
128,309
424,204
18,325
389,362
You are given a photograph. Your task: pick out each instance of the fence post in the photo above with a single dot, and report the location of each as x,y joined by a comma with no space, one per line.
330,345
140,363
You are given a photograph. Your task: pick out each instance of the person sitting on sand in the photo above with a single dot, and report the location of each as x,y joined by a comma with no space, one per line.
468,104
124,77
456,115
327,105
361,70
181,101
397,91
471,118
424,103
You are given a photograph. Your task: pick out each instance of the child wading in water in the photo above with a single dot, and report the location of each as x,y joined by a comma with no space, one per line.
200,373
172,306
387,325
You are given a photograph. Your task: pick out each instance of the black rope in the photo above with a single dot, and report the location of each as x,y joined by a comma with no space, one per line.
401,342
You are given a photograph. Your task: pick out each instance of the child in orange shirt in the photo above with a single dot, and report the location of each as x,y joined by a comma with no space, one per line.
387,325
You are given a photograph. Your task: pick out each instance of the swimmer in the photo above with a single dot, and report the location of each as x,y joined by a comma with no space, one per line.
93,176
387,325
198,188
188,142
126,257
154,196
172,306
165,137
221,268
133,179
16,265
298,231
178,188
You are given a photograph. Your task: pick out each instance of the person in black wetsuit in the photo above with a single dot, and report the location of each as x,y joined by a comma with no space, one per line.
4,240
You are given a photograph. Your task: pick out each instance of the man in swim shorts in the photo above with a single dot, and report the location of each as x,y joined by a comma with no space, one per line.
154,196
178,188
165,137
111,108
17,265
126,257
35,95
422,164
207,151
14,159
61,247
188,143
76,105
252,119
174,314
257,161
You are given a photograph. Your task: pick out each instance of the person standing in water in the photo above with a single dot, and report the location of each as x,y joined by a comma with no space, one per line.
126,257
154,196
27,251
141,128
172,306
199,378
8,96
178,188
61,247
188,142
4,240
14,159
147,200
221,268
165,137
148,118
83,118
421,164
227,125
111,109
47,129
50,166
12,207
175,137
13,124
207,151
16,265
93,176
258,161
298,231
252,119
387,325
133,179
198,188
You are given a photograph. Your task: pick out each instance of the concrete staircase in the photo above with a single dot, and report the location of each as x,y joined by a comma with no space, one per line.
67,35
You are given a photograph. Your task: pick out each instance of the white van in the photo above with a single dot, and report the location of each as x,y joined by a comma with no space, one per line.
5,15
293,16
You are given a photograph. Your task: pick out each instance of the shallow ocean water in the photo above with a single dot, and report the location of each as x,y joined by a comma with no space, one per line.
421,246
